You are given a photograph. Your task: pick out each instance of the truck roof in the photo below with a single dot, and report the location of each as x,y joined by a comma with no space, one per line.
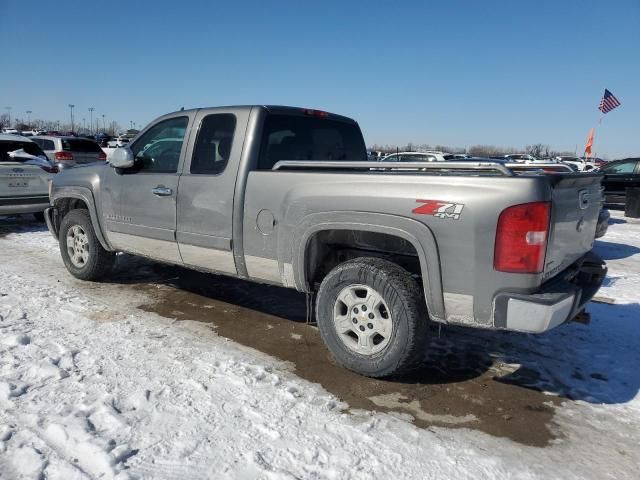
276,109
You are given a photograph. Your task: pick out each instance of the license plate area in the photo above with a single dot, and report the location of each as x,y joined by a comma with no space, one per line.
18,183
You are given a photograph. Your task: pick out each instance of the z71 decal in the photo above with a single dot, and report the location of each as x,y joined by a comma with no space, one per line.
439,209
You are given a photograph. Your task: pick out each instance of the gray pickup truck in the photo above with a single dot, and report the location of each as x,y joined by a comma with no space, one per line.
285,196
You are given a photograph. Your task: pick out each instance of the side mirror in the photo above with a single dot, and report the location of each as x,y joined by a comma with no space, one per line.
122,157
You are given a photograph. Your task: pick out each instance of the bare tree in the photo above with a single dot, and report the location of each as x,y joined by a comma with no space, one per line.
537,150
485,151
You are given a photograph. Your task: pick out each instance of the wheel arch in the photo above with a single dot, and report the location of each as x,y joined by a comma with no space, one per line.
67,199
418,235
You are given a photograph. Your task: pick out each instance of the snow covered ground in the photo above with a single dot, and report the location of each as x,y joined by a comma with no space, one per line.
91,386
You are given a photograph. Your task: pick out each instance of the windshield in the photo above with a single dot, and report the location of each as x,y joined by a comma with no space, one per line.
7,146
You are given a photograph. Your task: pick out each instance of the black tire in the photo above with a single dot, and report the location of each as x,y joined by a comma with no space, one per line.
408,313
99,262
39,216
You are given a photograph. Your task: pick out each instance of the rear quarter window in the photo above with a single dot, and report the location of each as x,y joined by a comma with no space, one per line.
45,144
291,137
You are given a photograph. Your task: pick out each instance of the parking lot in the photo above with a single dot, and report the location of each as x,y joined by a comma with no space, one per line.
566,400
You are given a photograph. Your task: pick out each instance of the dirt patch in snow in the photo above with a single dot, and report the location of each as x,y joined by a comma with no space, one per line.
460,385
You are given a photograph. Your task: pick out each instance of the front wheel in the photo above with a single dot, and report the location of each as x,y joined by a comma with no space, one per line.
372,317
82,253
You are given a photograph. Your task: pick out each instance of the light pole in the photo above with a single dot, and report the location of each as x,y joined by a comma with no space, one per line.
83,123
71,105
104,125
91,109
29,112
9,112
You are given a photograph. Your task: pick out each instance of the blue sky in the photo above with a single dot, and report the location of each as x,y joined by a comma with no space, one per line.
451,72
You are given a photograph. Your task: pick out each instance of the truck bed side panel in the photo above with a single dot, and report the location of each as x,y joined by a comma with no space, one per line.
465,243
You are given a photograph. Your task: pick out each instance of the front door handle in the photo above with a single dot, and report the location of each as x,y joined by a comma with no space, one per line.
161,191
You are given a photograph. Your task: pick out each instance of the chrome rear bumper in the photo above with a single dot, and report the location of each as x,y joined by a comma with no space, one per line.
557,302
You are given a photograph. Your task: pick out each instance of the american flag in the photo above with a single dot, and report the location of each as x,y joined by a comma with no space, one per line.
608,102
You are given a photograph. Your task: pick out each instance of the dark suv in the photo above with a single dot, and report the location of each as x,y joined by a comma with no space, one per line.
620,175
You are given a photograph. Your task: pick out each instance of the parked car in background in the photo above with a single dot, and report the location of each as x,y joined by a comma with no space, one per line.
580,164
10,131
520,157
599,162
102,139
414,157
70,151
119,141
25,172
31,133
618,176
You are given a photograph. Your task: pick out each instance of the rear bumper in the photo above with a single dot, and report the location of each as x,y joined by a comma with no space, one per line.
558,301
23,204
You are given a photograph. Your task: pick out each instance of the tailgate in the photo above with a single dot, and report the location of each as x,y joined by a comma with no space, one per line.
576,203
19,179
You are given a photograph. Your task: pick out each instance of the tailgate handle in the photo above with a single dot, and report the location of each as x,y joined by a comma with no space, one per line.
161,191
583,199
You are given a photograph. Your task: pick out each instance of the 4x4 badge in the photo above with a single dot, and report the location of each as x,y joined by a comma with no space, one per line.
439,209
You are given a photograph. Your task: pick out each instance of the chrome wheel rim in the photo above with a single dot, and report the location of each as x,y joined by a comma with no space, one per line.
78,246
362,319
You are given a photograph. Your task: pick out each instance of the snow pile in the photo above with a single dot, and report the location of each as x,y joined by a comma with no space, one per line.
91,387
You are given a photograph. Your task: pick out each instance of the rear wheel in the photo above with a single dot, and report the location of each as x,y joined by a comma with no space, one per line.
82,253
372,317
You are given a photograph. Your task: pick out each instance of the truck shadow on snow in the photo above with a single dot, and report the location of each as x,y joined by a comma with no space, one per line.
615,251
502,383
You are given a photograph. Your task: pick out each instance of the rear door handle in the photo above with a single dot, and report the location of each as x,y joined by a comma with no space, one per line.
161,191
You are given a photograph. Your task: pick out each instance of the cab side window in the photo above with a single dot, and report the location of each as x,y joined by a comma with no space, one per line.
158,150
213,144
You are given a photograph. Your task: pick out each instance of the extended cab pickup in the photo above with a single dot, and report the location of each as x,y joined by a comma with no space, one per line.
285,196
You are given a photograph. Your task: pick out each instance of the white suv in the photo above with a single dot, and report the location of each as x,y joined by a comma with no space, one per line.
429,156
25,172
579,163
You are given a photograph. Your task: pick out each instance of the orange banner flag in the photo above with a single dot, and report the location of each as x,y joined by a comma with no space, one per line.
587,148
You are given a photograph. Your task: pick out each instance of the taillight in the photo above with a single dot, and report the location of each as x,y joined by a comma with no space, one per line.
64,156
521,238
102,156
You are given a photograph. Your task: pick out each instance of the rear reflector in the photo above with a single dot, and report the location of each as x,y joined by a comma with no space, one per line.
521,238
64,156
102,156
